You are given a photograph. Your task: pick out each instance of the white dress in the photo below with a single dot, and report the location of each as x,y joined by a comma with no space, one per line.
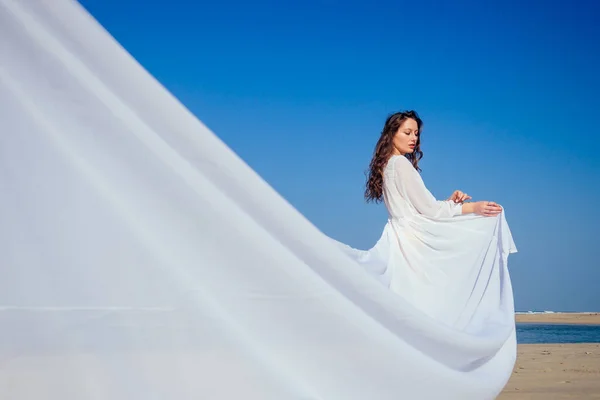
450,265
141,258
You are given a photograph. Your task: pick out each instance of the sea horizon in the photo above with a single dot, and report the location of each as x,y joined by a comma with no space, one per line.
555,312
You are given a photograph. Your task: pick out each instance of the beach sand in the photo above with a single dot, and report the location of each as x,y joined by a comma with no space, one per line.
560,318
555,371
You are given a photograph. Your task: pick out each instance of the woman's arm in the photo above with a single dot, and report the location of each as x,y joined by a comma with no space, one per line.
410,182
485,208
468,208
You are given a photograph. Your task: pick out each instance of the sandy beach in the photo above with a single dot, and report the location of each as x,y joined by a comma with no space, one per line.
556,371
560,318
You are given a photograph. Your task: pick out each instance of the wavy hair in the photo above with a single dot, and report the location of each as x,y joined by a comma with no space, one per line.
384,150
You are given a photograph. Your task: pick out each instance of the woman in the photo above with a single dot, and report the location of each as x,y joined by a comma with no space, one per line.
447,257
400,139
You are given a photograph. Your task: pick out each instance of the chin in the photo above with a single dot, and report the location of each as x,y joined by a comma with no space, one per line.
410,150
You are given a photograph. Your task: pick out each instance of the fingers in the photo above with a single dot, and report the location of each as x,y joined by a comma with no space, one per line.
455,195
492,209
459,197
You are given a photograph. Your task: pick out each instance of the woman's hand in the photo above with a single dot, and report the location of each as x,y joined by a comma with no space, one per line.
485,208
459,197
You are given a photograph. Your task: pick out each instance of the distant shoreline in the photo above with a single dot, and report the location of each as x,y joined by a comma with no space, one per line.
567,318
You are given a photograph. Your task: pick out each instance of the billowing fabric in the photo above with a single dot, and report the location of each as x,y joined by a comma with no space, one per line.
450,266
140,258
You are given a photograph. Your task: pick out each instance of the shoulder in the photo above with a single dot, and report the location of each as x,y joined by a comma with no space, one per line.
400,163
403,169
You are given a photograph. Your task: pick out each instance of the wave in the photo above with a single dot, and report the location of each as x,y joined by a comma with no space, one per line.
535,312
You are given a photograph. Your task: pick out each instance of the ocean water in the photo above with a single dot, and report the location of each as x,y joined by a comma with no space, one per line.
556,333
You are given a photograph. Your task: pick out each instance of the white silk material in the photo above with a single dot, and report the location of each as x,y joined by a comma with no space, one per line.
140,258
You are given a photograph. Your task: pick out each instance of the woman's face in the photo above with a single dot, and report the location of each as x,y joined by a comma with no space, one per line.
405,139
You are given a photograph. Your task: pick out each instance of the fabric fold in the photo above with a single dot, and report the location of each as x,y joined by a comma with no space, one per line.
142,258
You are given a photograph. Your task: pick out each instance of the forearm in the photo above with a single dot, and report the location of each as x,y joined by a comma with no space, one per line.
468,208
437,208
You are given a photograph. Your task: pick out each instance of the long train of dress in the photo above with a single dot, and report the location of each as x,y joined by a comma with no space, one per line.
140,258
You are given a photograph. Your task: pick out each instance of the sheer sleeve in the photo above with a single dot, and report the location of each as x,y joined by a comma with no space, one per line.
411,185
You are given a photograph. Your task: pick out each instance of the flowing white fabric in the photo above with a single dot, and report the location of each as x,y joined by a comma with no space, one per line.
140,258
450,266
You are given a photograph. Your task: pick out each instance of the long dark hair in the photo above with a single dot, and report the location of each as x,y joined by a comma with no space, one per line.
384,149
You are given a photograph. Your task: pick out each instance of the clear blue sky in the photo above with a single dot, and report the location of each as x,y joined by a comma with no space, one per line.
508,90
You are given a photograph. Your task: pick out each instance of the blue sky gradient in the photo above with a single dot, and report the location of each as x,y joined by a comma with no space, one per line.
508,91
